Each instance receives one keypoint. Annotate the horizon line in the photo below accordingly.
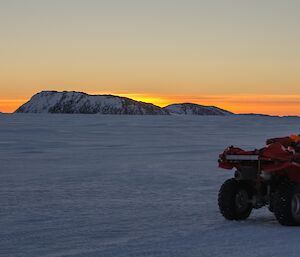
(240, 103)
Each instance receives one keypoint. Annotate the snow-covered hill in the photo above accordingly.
(195, 109)
(77, 102)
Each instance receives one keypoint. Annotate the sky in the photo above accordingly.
(240, 55)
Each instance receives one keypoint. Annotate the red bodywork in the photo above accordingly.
(278, 156)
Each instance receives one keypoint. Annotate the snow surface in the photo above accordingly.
(142, 186)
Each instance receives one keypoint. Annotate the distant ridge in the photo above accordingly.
(195, 109)
(257, 114)
(79, 102)
(268, 115)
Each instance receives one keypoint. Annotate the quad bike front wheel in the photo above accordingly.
(235, 200)
(287, 204)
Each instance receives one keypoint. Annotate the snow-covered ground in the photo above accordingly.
(92, 185)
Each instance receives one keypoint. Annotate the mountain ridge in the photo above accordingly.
(195, 109)
(51, 101)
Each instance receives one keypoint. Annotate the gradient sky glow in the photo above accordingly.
(240, 55)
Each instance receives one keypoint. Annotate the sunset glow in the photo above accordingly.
(262, 104)
(10, 105)
(243, 56)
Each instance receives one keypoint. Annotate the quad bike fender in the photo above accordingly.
(223, 162)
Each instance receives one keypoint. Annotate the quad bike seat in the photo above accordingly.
(291, 141)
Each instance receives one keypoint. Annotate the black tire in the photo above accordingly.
(287, 204)
(271, 204)
(231, 205)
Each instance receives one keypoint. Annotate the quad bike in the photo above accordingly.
(266, 177)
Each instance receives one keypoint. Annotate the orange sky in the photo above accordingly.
(243, 56)
(265, 104)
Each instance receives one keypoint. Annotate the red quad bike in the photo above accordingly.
(266, 177)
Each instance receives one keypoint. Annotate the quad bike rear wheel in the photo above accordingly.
(235, 199)
(287, 204)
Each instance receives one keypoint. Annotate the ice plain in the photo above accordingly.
(142, 186)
